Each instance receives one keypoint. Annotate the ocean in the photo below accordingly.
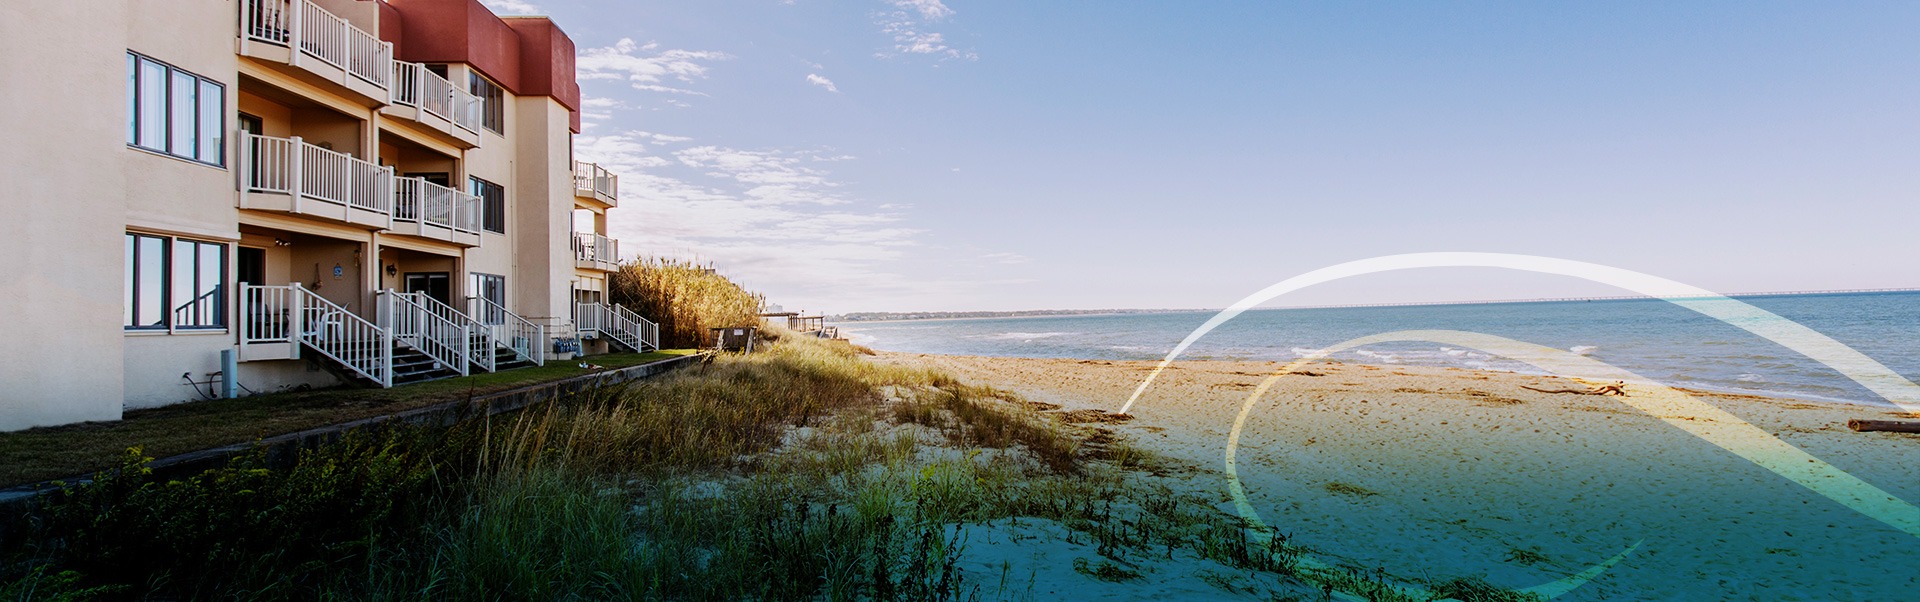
(1653, 338)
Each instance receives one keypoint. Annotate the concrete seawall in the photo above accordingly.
(281, 448)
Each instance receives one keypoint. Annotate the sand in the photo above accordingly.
(1442, 472)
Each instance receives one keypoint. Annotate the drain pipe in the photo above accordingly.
(229, 368)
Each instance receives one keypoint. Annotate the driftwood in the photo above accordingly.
(1889, 426)
(1613, 389)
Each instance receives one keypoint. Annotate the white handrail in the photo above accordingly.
(316, 32)
(415, 324)
(614, 322)
(587, 318)
(466, 109)
(590, 176)
(480, 337)
(291, 166)
(266, 314)
(527, 339)
(267, 163)
(644, 330)
(266, 20)
(420, 201)
(416, 86)
(588, 246)
(294, 315)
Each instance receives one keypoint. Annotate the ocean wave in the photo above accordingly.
(1384, 357)
(1751, 378)
(1583, 349)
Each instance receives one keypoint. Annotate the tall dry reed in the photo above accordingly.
(684, 298)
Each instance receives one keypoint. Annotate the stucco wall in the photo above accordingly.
(544, 184)
(60, 284)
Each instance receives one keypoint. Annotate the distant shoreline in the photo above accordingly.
(914, 316)
(873, 317)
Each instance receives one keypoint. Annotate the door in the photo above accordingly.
(250, 266)
(251, 125)
(435, 284)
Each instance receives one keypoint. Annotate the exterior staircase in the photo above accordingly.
(617, 325)
(416, 339)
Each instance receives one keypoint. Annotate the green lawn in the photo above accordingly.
(40, 454)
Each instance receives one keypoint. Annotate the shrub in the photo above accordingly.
(684, 298)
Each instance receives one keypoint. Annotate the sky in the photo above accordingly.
(925, 155)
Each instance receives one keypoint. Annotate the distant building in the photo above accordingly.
(330, 190)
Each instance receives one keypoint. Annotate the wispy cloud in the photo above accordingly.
(775, 218)
(932, 10)
(816, 79)
(648, 68)
(511, 7)
(907, 21)
(1006, 258)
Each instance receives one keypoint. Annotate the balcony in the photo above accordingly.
(424, 97)
(429, 210)
(288, 175)
(316, 45)
(595, 183)
(595, 252)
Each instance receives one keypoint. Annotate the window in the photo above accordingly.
(493, 204)
(493, 109)
(175, 112)
(492, 288)
(174, 283)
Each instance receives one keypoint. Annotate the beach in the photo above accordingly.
(1439, 471)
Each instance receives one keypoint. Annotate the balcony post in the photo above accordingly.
(386, 54)
(245, 159)
(466, 348)
(297, 322)
(346, 45)
(296, 181)
(245, 316)
(391, 192)
(293, 30)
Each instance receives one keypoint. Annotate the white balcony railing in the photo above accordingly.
(315, 32)
(411, 320)
(527, 339)
(643, 330)
(616, 323)
(593, 179)
(595, 248)
(419, 201)
(291, 166)
(293, 315)
(416, 86)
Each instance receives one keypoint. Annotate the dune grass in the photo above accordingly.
(801, 473)
(684, 298)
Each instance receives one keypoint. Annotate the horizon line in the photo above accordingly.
(1039, 313)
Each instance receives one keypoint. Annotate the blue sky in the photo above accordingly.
(952, 155)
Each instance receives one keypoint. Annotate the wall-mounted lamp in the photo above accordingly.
(391, 269)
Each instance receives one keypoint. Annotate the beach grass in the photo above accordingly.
(684, 298)
(803, 472)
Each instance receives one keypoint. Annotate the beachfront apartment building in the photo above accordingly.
(257, 195)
